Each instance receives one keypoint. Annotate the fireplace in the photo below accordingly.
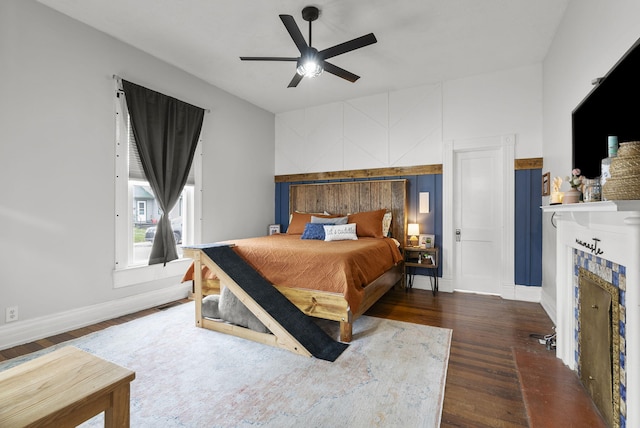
(600, 357)
(600, 241)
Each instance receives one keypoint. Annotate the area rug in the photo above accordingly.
(393, 374)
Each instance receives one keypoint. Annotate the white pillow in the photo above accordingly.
(386, 223)
(340, 232)
(331, 220)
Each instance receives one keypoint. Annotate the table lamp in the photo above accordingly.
(413, 230)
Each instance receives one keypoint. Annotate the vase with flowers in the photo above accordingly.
(573, 195)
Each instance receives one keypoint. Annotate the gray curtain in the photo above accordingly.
(166, 131)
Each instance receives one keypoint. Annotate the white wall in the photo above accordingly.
(505, 102)
(592, 37)
(57, 162)
(407, 127)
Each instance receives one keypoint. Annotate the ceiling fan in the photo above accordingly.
(311, 62)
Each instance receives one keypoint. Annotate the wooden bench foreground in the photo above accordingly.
(63, 389)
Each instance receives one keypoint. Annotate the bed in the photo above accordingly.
(354, 274)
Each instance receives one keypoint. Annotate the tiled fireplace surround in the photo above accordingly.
(603, 238)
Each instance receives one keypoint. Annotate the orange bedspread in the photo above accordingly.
(338, 266)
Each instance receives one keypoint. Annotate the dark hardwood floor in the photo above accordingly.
(483, 385)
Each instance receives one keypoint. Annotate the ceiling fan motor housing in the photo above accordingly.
(310, 13)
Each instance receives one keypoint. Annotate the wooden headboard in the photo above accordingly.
(352, 197)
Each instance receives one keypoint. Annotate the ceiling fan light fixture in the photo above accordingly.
(310, 68)
(309, 64)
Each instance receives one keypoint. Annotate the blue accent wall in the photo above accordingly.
(528, 227)
(528, 216)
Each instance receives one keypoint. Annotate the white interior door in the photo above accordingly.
(478, 220)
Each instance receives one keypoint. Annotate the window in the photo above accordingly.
(137, 212)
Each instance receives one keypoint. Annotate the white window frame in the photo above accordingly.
(125, 275)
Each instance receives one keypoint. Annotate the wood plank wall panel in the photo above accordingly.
(519, 164)
(353, 196)
(360, 174)
(530, 163)
(399, 203)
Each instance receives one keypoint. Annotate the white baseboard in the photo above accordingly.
(522, 293)
(423, 282)
(21, 332)
(511, 292)
(549, 305)
(445, 284)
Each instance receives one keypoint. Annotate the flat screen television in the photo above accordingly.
(611, 108)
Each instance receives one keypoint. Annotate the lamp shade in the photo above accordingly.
(413, 229)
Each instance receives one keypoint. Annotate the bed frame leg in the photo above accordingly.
(346, 331)
(197, 277)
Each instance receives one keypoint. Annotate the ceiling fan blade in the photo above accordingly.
(358, 43)
(340, 72)
(266, 58)
(295, 33)
(294, 82)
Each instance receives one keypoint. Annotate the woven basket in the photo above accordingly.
(624, 183)
(622, 188)
(629, 148)
(625, 166)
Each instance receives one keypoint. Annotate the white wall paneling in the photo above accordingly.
(400, 128)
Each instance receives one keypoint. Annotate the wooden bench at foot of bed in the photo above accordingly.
(315, 303)
(63, 389)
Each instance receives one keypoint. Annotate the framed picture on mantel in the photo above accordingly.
(546, 184)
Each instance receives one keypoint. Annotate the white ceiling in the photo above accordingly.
(419, 41)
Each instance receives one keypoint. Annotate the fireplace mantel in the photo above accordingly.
(604, 206)
(610, 231)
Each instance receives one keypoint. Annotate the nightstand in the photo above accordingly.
(425, 258)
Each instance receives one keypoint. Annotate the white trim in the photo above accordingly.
(196, 220)
(446, 253)
(522, 293)
(508, 209)
(21, 332)
(423, 282)
(592, 207)
(141, 274)
(445, 285)
(121, 184)
(548, 303)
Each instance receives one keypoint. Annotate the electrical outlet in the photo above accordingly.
(11, 314)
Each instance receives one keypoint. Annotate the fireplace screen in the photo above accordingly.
(599, 343)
